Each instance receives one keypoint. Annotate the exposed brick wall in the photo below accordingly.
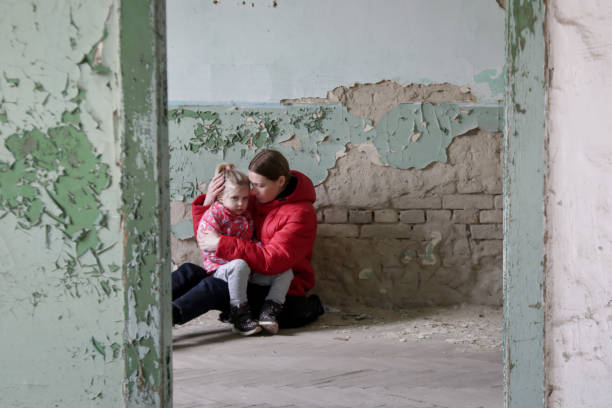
(378, 242)
(433, 236)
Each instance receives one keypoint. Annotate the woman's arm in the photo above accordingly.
(290, 244)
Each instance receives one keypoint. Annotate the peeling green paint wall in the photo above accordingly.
(146, 212)
(524, 218)
(311, 136)
(61, 248)
(74, 304)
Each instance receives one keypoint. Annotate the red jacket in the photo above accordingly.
(287, 229)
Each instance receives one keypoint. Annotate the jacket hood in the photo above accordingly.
(304, 191)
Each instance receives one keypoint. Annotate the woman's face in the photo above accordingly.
(264, 189)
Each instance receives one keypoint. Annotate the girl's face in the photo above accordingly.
(235, 198)
(264, 189)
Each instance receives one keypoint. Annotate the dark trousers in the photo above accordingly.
(194, 292)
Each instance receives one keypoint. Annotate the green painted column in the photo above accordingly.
(85, 319)
(145, 212)
(524, 218)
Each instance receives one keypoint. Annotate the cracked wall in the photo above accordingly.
(67, 327)
(407, 162)
(422, 186)
(404, 238)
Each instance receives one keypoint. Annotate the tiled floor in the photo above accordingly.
(340, 361)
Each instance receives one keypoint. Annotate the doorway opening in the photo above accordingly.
(409, 194)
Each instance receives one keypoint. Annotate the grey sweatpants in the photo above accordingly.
(237, 272)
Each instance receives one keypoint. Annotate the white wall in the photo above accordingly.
(579, 205)
(230, 52)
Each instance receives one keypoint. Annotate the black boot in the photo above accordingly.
(268, 319)
(243, 322)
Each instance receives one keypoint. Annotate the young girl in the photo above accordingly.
(229, 216)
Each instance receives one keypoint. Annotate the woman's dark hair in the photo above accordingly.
(270, 164)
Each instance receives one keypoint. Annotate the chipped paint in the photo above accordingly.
(524, 172)
(294, 143)
(388, 95)
(72, 179)
(145, 212)
(59, 196)
(323, 131)
(183, 229)
(494, 79)
(257, 129)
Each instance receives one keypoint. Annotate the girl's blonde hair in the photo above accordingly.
(232, 175)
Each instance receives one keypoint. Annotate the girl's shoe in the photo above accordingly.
(243, 323)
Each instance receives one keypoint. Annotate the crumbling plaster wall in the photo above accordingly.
(420, 225)
(408, 175)
(578, 205)
(412, 237)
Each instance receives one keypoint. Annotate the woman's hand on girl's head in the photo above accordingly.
(215, 187)
(208, 241)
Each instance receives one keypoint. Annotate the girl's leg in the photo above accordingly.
(236, 274)
(279, 285)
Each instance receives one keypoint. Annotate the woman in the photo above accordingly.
(281, 204)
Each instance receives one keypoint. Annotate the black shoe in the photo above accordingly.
(268, 318)
(243, 323)
(225, 316)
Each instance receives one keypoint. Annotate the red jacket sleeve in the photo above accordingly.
(291, 243)
(197, 211)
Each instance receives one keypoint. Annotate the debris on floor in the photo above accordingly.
(471, 327)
